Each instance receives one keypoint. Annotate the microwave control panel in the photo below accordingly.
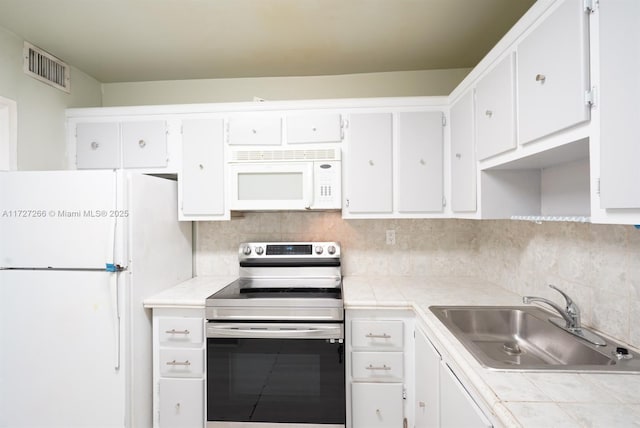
(326, 185)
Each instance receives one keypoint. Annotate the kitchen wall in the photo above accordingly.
(41, 120)
(598, 265)
(391, 84)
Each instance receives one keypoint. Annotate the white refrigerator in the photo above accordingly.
(79, 251)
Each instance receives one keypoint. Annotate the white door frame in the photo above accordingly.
(8, 134)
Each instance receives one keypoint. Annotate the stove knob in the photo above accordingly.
(259, 251)
(331, 249)
(319, 249)
(246, 250)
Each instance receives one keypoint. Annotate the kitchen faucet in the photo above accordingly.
(571, 315)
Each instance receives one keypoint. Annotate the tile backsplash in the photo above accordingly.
(597, 265)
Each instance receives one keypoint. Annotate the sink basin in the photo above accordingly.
(522, 338)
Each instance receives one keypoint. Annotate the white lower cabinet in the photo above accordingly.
(441, 399)
(181, 404)
(379, 365)
(457, 408)
(377, 405)
(178, 368)
(427, 383)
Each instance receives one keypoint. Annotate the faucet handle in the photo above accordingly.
(572, 308)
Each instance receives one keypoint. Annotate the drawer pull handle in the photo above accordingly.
(541, 78)
(384, 367)
(378, 336)
(179, 363)
(174, 331)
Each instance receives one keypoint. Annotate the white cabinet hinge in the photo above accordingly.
(344, 124)
(590, 6)
(347, 203)
(590, 97)
(598, 186)
(404, 394)
(444, 201)
(444, 120)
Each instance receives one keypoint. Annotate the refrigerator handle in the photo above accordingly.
(115, 296)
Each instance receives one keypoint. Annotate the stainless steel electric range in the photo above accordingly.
(275, 339)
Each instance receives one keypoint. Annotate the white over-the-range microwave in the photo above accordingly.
(285, 179)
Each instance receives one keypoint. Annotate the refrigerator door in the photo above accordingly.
(58, 219)
(58, 335)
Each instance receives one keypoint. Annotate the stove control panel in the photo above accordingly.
(289, 249)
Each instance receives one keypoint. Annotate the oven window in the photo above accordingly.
(275, 380)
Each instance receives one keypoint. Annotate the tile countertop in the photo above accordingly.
(516, 399)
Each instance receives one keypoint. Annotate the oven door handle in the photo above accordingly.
(280, 331)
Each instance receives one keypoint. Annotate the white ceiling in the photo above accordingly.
(144, 40)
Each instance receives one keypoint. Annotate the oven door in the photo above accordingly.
(275, 373)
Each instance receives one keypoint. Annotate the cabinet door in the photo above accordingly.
(420, 163)
(255, 130)
(144, 144)
(495, 111)
(427, 383)
(619, 107)
(314, 128)
(457, 408)
(553, 73)
(376, 405)
(463, 162)
(181, 403)
(368, 165)
(97, 145)
(202, 178)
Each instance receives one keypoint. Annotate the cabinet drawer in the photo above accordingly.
(316, 128)
(181, 403)
(182, 362)
(181, 331)
(377, 334)
(378, 366)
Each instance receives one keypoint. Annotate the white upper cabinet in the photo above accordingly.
(98, 145)
(420, 160)
(202, 180)
(368, 165)
(314, 128)
(463, 161)
(140, 144)
(495, 110)
(144, 144)
(255, 130)
(619, 106)
(553, 73)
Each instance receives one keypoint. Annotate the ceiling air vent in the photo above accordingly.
(46, 67)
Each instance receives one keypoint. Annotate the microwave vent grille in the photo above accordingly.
(284, 155)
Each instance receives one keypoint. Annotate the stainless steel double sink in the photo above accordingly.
(522, 338)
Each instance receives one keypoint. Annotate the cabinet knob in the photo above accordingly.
(422, 162)
(94, 145)
(314, 129)
(488, 113)
(254, 131)
(422, 404)
(371, 162)
(142, 144)
(200, 166)
(541, 78)
(458, 156)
